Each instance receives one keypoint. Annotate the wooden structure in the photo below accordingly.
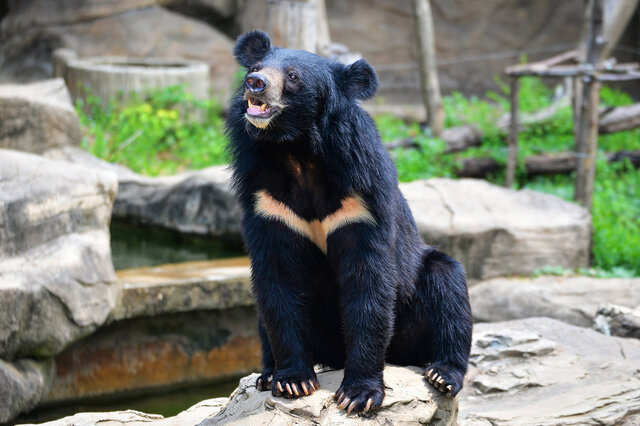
(587, 72)
(427, 63)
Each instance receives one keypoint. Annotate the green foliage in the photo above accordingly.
(158, 132)
(616, 203)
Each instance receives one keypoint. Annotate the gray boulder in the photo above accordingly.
(23, 384)
(37, 117)
(615, 320)
(196, 202)
(574, 300)
(496, 231)
(57, 281)
(541, 371)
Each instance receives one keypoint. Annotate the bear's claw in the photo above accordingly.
(294, 386)
(444, 378)
(264, 381)
(360, 396)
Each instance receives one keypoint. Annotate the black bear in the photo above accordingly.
(339, 272)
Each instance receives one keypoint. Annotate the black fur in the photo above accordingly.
(379, 294)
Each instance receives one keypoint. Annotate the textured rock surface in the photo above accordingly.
(615, 320)
(23, 384)
(56, 275)
(496, 231)
(198, 202)
(409, 399)
(541, 371)
(37, 117)
(34, 28)
(574, 300)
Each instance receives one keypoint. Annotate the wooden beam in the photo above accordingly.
(587, 128)
(427, 62)
(544, 164)
(620, 119)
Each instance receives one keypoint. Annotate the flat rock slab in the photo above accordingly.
(574, 300)
(196, 202)
(495, 231)
(37, 117)
(57, 281)
(541, 371)
(184, 287)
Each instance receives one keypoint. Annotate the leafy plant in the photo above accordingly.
(157, 132)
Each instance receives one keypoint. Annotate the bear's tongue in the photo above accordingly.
(254, 109)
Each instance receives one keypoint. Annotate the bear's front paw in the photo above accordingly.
(445, 378)
(263, 383)
(294, 385)
(360, 395)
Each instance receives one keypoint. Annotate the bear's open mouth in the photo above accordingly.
(258, 108)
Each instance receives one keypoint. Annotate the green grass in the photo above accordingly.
(161, 132)
(167, 131)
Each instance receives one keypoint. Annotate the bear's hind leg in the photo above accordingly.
(442, 288)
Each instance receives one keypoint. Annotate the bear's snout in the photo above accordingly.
(256, 82)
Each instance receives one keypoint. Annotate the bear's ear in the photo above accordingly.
(251, 47)
(359, 79)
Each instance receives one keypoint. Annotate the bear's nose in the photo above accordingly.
(256, 82)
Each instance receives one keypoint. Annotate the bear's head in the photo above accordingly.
(286, 91)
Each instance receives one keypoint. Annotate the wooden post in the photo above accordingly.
(293, 24)
(512, 159)
(587, 128)
(617, 15)
(427, 62)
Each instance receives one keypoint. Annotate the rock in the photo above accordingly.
(614, 320)
(192, 416)
(496, 231)
(573, 300)
(184, 287)
(23, 384)
(33, 29)
(409, 399)
(37, 117)
(541, 371)
(196, 202)
(57, 281)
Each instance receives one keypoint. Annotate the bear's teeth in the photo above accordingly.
(263, 106)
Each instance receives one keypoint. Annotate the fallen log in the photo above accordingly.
(457, 139)
(620, 119)
(545, 164)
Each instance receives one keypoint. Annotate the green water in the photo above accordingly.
(138, 246)
(167, 403)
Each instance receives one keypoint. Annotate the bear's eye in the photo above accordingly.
(293, 76)
(255, 68)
